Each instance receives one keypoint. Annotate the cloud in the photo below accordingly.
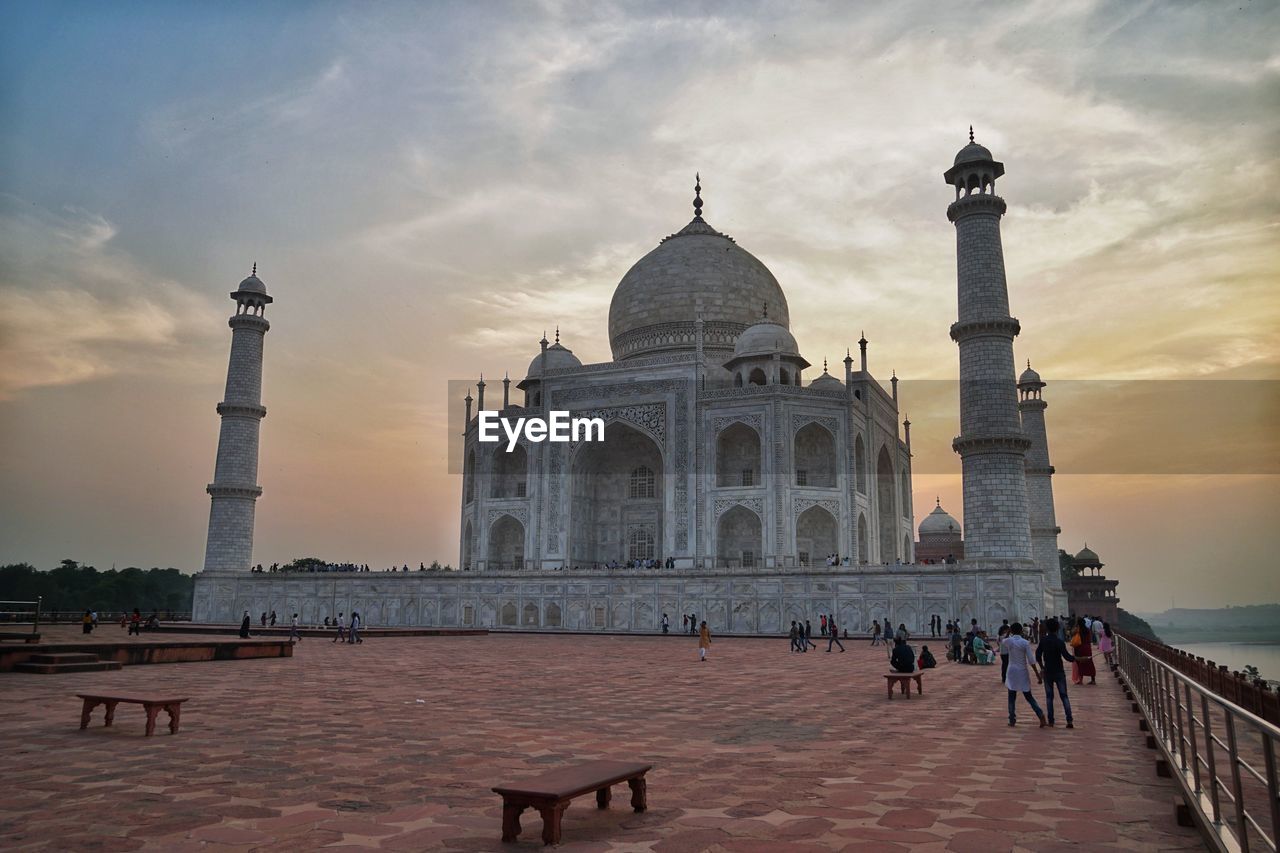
(72, 309)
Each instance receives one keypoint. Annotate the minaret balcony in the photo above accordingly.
(996, 327)
(239, 410)
(249, 321)
(1002, 443)
(977, 203)
(223, 491)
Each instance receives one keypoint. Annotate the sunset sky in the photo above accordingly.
(427, 187)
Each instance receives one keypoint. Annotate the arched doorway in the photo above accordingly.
(469, 477)
(738, 456)
(739, 539)
(816, 536)
(506, 544)
(815, 457)
(906, 548)
(509, 472)
(886, 508)
(860, 464)
(466, 546)
(863, 556)
(617, 488)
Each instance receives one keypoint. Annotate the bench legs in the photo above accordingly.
(639, 794)
(603, 796)
(87, 711)
(511, 821)
(175, 714)
(551, 815)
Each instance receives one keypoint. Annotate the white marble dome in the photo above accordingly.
(558, 358)
(253, 284)
(939, 522)
(973, 153)
(697, 272)
(827, 382)
(764, 338)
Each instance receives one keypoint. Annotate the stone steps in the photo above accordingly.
(52, 664)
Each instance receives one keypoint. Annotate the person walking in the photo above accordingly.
(875, 632)
(135, 622)
(957, 644)
(1018, 676)
(1082, 646)
(87, 622)
(833, 635)
(666, 623)
(693, 623)
(1004, 655)
(822, 624)
(704, 641)
(1050, 653)
(354, 635)
(1107, 645)
(244, 626)
(273, 618)
(795, 636)
(342, 628)
(684, 622)
(293, 629)
(808, 636)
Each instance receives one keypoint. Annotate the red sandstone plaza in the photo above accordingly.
(395, 744)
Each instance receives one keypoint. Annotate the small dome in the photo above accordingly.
(1029, 377)
(765, 338)
(559, 357)
(253, 284)
(827, 382)
(1087, 556)
(939, 522)
(973, 153)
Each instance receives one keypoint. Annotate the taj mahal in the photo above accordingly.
(732, 482)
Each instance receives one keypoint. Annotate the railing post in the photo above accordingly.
(1233, 751)
(1209, 759)
(1191, 739)
(1273, 786)
(1182, 742)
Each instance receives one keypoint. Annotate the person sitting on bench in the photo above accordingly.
(903, 658)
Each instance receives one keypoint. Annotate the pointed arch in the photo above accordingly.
(738, 459)
(616, 486)
(817, 536)
(468, 539)
(860, 464)
(506, 543)
(469, 477)
(815, 456)
(863, 555)
(739, 539)
(510, 472)
(886, 506)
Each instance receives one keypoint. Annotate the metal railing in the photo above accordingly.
(9, 615)
(1222, 756)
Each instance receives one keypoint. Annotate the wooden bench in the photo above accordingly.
(25, 636)
(153, 705)
(551, 792)
(904, 680)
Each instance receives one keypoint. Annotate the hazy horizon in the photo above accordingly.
(427, 188)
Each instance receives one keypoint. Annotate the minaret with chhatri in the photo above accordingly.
(235, 490)
(991, 444)
(1044, 523)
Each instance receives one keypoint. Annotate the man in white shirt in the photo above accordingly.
(1022, 663)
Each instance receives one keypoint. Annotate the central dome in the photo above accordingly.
(697, 272)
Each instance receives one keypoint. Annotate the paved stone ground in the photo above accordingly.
(395, 744)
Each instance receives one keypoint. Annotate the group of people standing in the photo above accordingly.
(1058, 645)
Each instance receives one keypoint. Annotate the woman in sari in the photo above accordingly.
(1082, 648)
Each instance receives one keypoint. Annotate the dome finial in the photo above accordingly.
(255, 268)
(970, 134)
(824, 365)
(557, 333)
(697, 195)
(1028, 364)
(938, 501)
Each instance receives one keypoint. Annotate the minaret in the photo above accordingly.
(991, 443)
(234, 490)
(1044, 524)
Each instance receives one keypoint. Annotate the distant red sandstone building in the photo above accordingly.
(941, 537)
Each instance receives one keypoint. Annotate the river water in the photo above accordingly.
(1265, 656)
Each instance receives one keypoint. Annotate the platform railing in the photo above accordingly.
(9, 615)
(1222, 756)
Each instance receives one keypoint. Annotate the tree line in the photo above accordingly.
(73, 587)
